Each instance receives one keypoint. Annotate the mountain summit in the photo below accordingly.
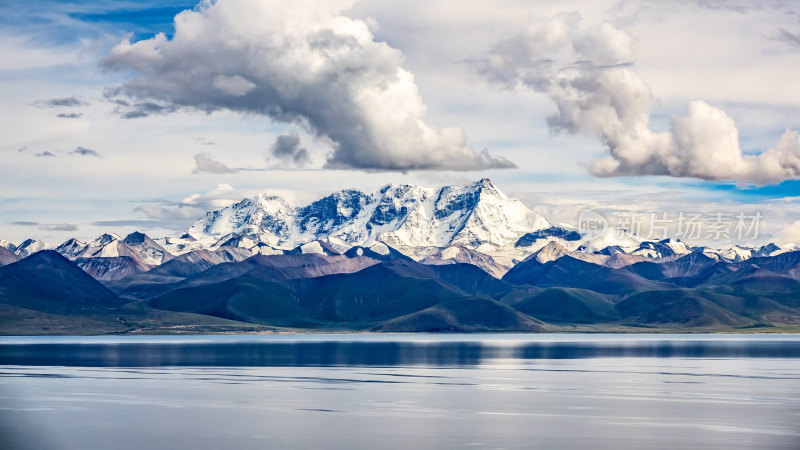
(402, 216)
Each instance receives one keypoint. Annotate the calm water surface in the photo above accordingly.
(401, 391)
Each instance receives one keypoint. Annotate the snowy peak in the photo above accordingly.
(72, 248)
(662, 249)
(105, 239)
(377, 251)
(137, 246)
(7, 245)
(740, 253)
(560, 233)
(402, 216)
(554, 251)
(263, 216)
(496, 219)
(314, 247)
(612, 237)
(30, 246)
(330, 213)
(473, 216)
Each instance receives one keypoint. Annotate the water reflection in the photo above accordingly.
(267, 352)
(364, 392)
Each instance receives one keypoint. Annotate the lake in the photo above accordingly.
(401, 391)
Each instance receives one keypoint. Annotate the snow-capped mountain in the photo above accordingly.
(425, 224)
(314, 247)
(612, 237)
(739, 253)
(72, 248)
(103, 246)
(475, 224)
(534, 238)
(137, 246)
(554, 251)
(110, 257)
(7, 245)
(30, 246)
(476, 216)
(662, 249)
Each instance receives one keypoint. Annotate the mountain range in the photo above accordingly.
(405, 258)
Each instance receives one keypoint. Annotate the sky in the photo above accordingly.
(120, 115)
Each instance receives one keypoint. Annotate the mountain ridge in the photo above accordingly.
(402, 216)
(475, 223)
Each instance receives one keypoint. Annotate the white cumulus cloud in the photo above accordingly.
(587, 72)
(193, 206)
(298, 62)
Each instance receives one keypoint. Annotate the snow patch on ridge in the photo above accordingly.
(312, 247)
(450, 252)
(379, 248)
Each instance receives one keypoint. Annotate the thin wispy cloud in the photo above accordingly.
(788, 36)
(58, 227)
(83, 151)
(66, 102)
(203, 141)
(205, 162)
(46, 226)
(126, 223)
(77, 151)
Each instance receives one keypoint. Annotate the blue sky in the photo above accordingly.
(788, 188)
(59, 92)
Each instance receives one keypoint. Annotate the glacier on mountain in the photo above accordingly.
(405, 217)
